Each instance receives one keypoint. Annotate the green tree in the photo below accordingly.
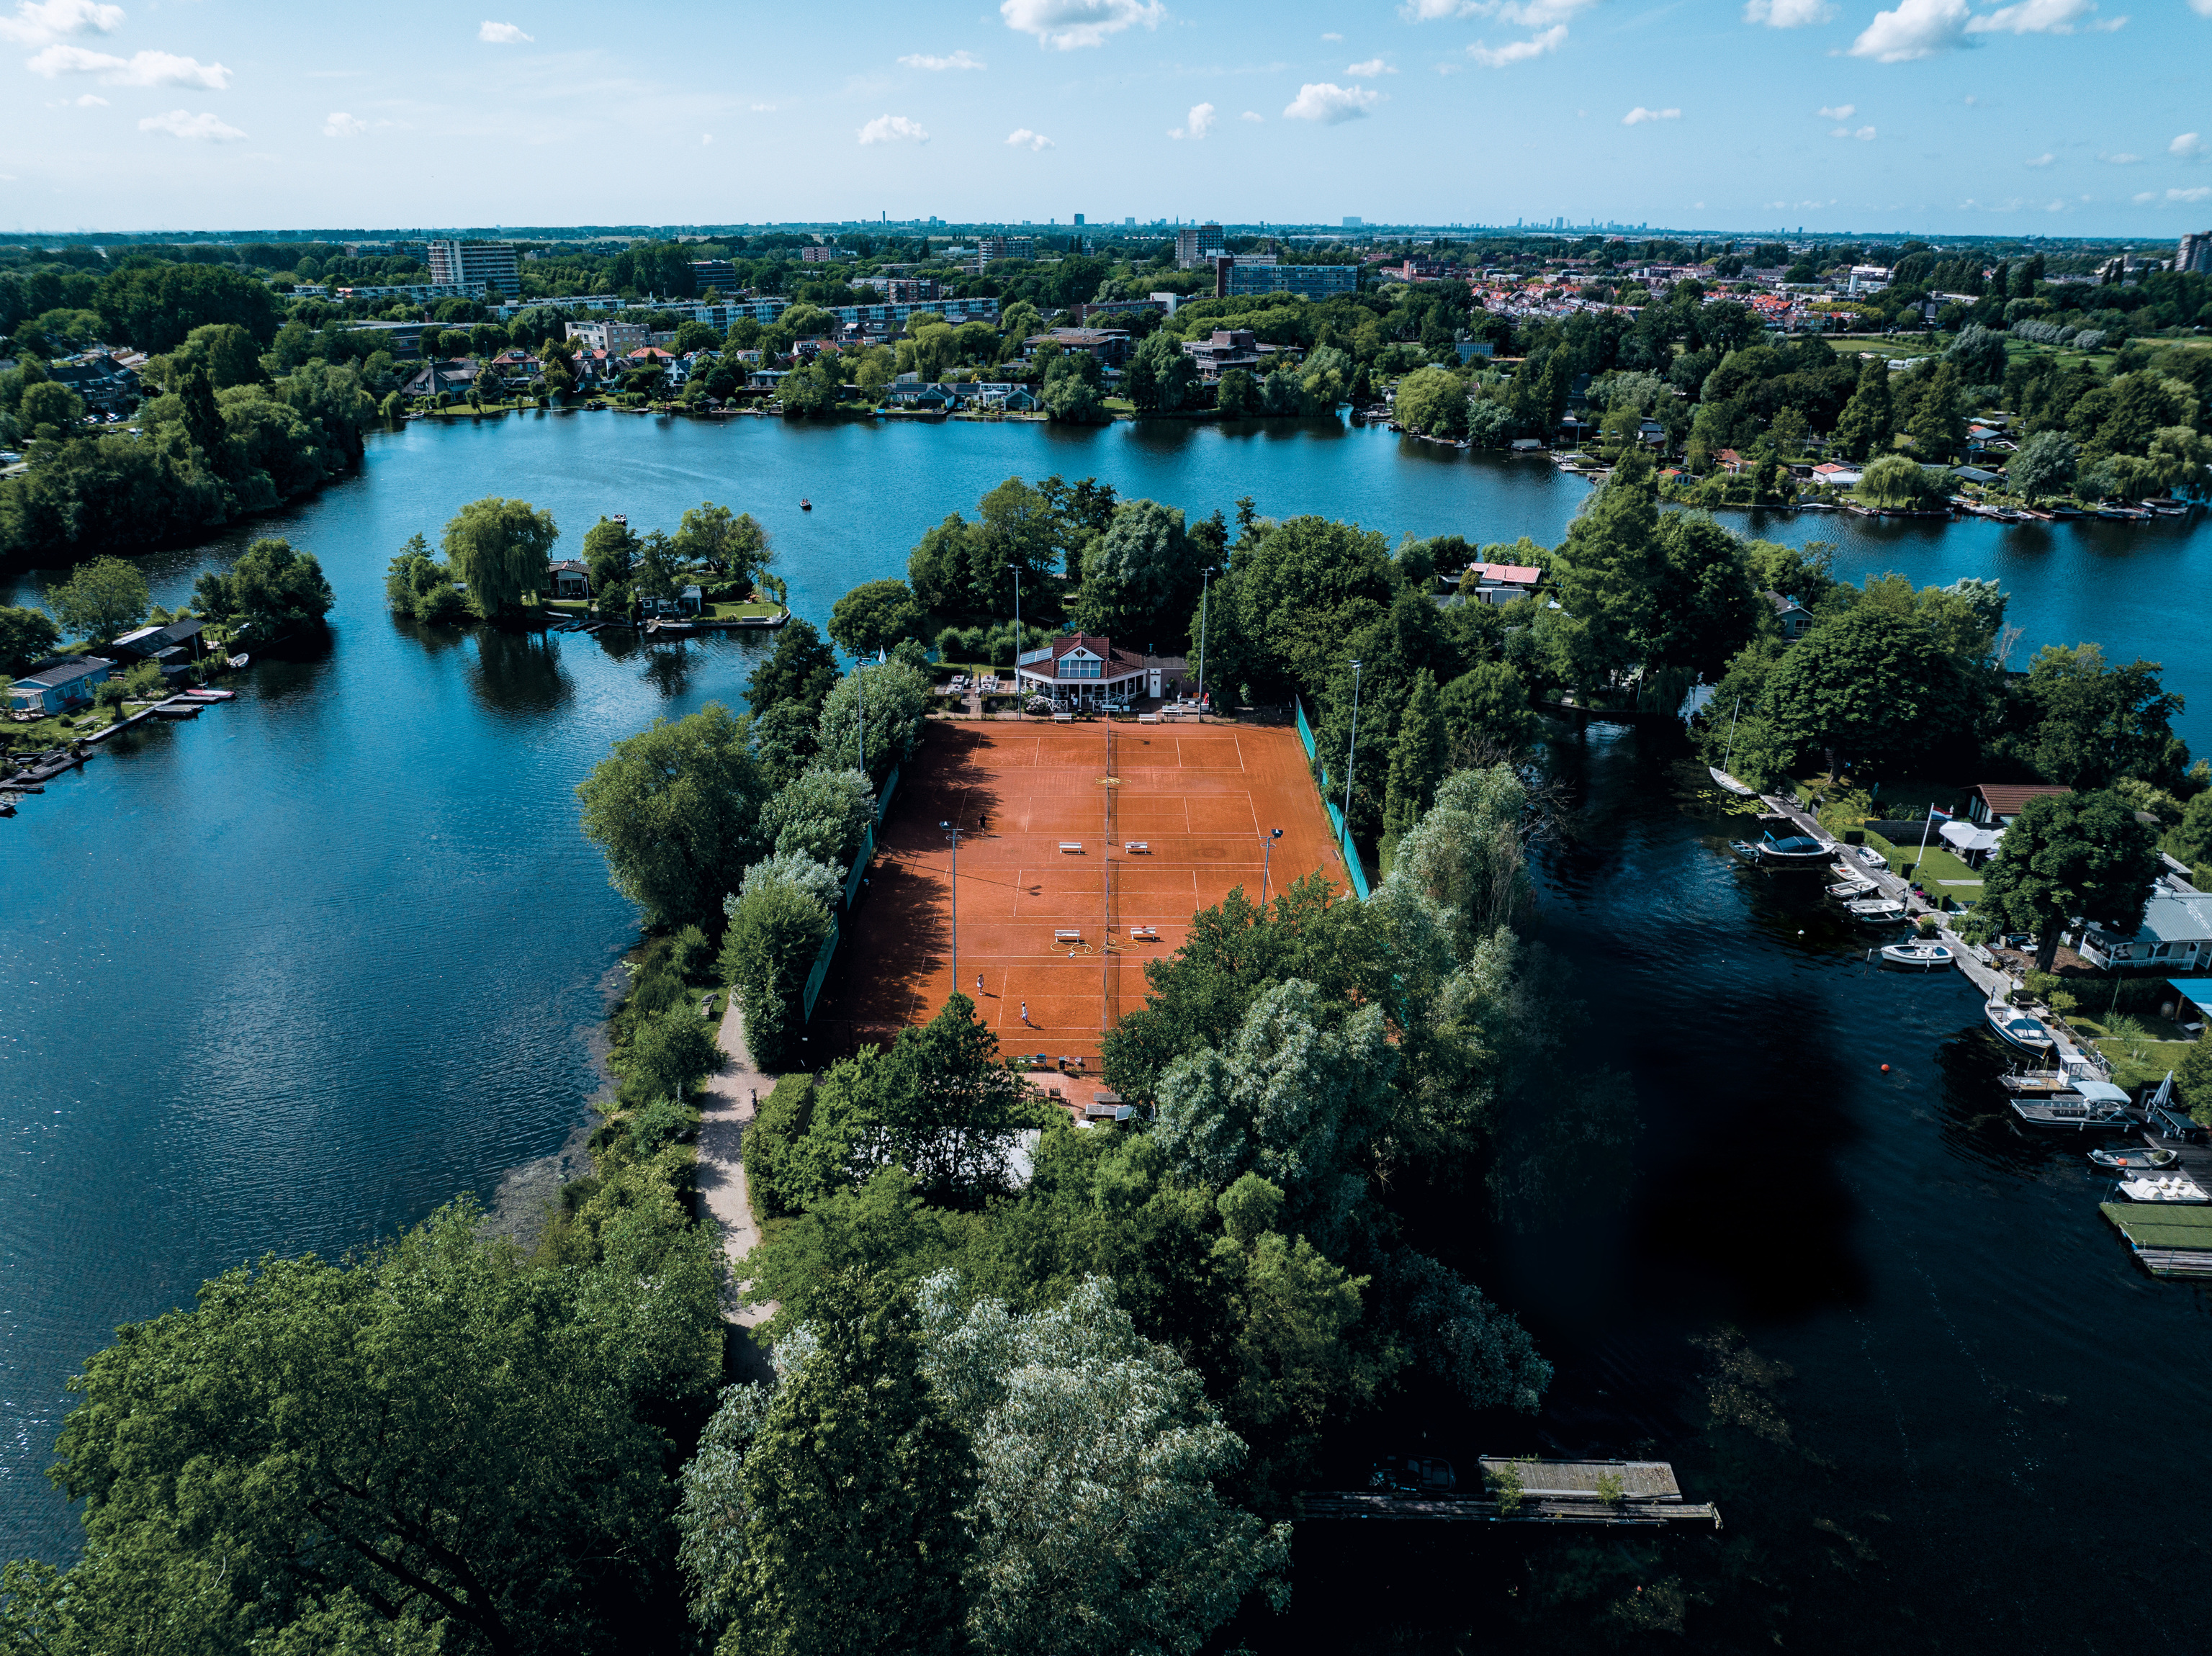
(854, 1487)
(779, 921)
(1417, 756)
(500, 549)
(2192, 1080)
(1603, 575)
(1900, 484)
(1488, 703)
(1871, 683)
(272, 588)
(1865, 425)
(1433, 401)
(49, 408)
(2067, 858)
(1236, 394)
(733, 543)
(824, 814)
(1162, 375)
(468, 1446)
(799, 669)
(895, 697)
(610, 553)
(1140, 579)
(1938, 433)
(100, 599)
(26, 635)
(2042, 466)
(1099, 1529)
(2190, 839)
(873, 616)
(676, 809)
(668, 1055)
(2085, 721)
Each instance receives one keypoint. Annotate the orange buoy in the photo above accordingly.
(1885, 1069)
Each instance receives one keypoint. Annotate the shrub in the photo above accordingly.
(783, 1122)
(659, 1125)
(691, 956)
(1505, 1487)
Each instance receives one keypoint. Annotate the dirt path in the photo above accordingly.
(727, 1110)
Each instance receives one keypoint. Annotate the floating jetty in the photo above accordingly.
(2170, 1240)
(1644, 1496)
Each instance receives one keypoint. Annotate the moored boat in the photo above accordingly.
(2163, 1187)
(1852, 885)
(2089, 1106)
(1920, 954)
(2017, 1028)
(1878, 911)
(238, 661)
(1796, 851)
(2133, 1156)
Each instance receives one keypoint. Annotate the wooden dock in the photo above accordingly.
(1552, 1492)
(2170, 1240)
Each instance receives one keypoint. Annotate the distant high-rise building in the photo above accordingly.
(2195, 252)
(1313, 282)
(1353, 222)
(989, 248)
(1078, 218)
(1130, 222)
(463, 263)
(1197, 243)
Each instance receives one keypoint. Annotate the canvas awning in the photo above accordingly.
(2102, 1092)
(1970, 836)
(2197, 990)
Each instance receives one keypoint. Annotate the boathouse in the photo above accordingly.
(59, 685)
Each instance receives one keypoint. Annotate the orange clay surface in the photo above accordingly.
(1200, 797)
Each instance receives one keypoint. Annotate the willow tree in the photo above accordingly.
(500, 549)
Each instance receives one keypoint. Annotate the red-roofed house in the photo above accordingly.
(1994, 804)
(1500, 583)
(1081, 667)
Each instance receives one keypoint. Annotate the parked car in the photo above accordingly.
(1413, 1475)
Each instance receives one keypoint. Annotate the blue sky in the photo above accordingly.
(2049, 117)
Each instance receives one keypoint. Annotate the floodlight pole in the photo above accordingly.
(1267, 860)
(1017, 568)
(1351, 753)
(1204, 592)
(954, 828)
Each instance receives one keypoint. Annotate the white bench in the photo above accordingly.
(1071, 848)
(1063, 719)
(1148, 719)
(1144, 933)
(1137, 848)
(1067, 937)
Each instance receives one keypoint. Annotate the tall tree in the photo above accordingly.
(1869, 683)
(1139, 577)
(873, 616)
(26, 636)
(1603, 575)
(610, 553)
(1418, 757)
(500, 549)
(677, 810)
(799, 669)
(436, 1440)
(2085, 721)
(1864, 428)
(276, 589)
(100, 599)
(854, 1484)
(2071, 856)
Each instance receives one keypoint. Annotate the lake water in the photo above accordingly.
(287, 976)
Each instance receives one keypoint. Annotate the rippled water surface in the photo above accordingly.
(288, 975)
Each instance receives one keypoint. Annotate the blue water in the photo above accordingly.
(286, 976)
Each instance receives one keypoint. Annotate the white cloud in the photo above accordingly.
(1370, 69)
(1840, 113)
(1064, 25)
(182, 123)
(33, 24)
(503, 35)
(1252, 116)
(2202, 8)
(2194, 193)
(2121, 159)
(706, 138)
(141, 68)
(1340, 37)
(958, 60)
(891, 129)
(1022, 136)
(1639, 115)
(2189, 148)
(1196, 125)
(2044, 160)
(1788, 14)
(2036, 17)
(1516, 51)
(763, 109)
(1330, 104)
(338, 124)
(1864, 133)
(1917, 28)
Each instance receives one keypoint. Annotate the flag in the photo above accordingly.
(1945, 815)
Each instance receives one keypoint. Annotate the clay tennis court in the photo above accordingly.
(1068, 883)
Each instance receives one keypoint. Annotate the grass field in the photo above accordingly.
(1198, 801)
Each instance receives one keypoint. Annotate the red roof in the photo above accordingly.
(1509, 575)
(2007, 798)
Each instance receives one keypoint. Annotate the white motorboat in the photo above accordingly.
(1852, 886)
(1878, 911)
(1792, 850)
(2163, 1187)
(1921, 955)
(2016, 1027)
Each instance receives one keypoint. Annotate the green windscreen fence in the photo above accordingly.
(1353, 865)
(853, 876)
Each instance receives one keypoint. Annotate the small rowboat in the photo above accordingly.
(806, 506)
(1878, 911)
(238, 661)
(2133, 1156)
(1921, 955)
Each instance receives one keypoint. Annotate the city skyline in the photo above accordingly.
(2058, 118)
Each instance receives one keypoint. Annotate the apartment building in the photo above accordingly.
(458, 263)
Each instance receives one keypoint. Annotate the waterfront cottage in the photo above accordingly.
(1994, 804)
(2176, 933)
(1790, 616)
(571, 580)
(57, 685)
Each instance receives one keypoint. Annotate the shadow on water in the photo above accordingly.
(518, 672)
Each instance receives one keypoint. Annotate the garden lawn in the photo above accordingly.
(732, 611)
(1938, 865)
